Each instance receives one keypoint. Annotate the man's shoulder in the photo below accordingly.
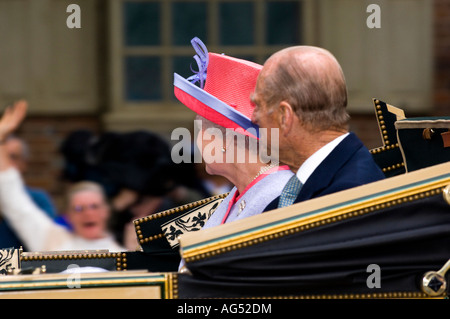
(362, 164)
(349, 165)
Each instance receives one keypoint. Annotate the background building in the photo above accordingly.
(115, 73)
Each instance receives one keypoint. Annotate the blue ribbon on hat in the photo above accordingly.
(202, 59)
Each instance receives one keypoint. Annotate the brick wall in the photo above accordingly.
(44, 135)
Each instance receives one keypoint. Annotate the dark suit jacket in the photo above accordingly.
(349, 165)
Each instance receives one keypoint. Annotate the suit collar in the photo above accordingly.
(324, 173)
(308, 167)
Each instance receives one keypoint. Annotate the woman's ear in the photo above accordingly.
(285, 117)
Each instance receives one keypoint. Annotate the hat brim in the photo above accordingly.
(211, 108)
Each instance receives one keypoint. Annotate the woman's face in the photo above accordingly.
(88, 214)
(210, 141)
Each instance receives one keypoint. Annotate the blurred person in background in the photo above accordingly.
(87, 209)
(19, 154)
(137, 172)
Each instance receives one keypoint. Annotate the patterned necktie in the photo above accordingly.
(290, 192)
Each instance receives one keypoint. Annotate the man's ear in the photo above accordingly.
(285, 117)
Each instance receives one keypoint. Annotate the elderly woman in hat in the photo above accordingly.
(223, 107)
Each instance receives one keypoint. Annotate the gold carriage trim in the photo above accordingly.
(35, 283)
(179, 209)
(392, 167)
(172, 285)
(328, 209)
(399, 113)
(383, 148)
(380, 295)
(120, 257)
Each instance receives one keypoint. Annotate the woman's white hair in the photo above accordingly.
(84, 186)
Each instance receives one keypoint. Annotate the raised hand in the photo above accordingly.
(12, 117)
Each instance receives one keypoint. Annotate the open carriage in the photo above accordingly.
(388, 239)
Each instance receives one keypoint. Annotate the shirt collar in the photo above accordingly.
(308, 167)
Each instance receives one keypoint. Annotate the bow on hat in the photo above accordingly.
(202, 60)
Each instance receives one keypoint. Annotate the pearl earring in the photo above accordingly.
(223, 149)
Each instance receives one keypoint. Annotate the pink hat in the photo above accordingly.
(225, 97)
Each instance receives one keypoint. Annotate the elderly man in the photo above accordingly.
(302, 92)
